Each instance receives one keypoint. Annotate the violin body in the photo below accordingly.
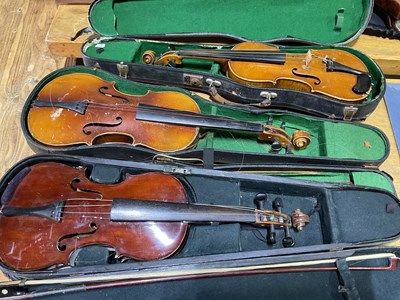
(109, 116)
(329, 72)
(32, 242)
(300, 74)
(79, 108)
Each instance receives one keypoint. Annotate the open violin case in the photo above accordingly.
(102, 114)
(61, 231)
(307, 40)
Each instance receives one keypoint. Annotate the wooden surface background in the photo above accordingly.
(25, 59)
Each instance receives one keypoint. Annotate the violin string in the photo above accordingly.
(211, 53)
(176, 113)
(88, 199)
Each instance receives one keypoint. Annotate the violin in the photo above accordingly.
(85, 109)
(334, 73)
(55, 209)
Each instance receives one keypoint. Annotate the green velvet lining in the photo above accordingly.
(373, 179)
(329, 139)
(321, 21)
(132, 51)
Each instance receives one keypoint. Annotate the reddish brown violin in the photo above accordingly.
(55, 209)
(84, 109)
(334, 73)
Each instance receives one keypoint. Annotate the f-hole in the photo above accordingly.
(103, 90)
(73, 185)
(317, 80)
(88, 132)
(62, 246)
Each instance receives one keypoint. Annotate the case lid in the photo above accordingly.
(331, 22)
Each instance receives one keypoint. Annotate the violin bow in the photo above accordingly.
(135, 276)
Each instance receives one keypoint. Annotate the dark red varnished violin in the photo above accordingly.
(55, 209)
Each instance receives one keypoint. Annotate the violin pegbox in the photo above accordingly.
(297, 220)
(280, 138)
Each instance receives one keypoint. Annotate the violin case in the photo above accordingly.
(343, 251)
(126, 33)
(332, 142)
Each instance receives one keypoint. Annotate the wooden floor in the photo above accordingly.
(25, 59)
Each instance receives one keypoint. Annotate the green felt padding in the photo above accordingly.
(320, 21)
(373, 179)
(329, 139)
(120, 50)
(132, 51)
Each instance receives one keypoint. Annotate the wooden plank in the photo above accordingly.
(68, 20)
(386, 52)
(74, 1)
(25, 59)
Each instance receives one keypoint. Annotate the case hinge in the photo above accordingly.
(176, 170)
(123, 70)
(193, 80)
(268, 96)
(349, 112)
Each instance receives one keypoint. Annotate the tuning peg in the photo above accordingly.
(260, 199)
(289, 149)
(271, 235)
(276, 146)
(288, 241)
(277, 204)
(171, 63)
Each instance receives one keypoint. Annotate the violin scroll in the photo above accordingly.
(149, 57)
(299, 219)
(300, 139)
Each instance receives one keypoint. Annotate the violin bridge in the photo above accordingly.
(307, 61)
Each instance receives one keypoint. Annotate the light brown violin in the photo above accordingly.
(81, 108)
(334, 73)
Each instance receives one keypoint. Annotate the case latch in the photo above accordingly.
(176, 170)
(268, 96)
(349, 112)
(193, 80)
(123, 70)
(213, 84)
(212, 90)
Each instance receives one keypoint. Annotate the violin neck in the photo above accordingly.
(173, 116)
(127, 210)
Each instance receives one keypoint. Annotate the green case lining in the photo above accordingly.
(329, 22)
